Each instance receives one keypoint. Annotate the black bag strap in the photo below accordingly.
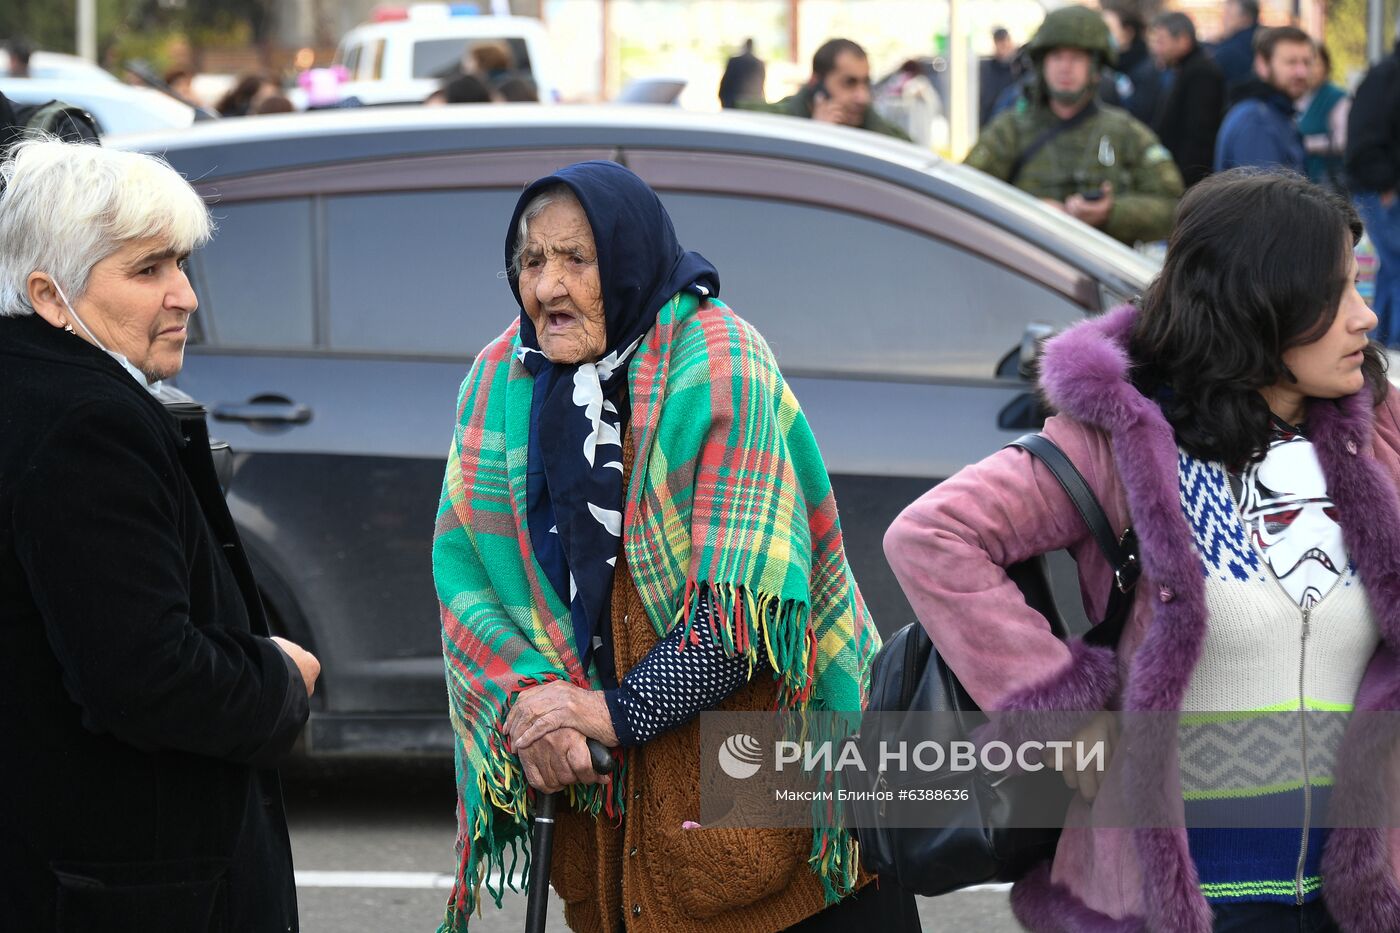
(1045, 137)
(1121, 553)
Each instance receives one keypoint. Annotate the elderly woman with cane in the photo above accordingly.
(636, 526)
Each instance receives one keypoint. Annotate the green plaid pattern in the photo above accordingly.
(728, 494)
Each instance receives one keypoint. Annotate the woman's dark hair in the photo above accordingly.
(467, 89)
(518, 90)
(1257, 264)
(1129, 16)
(239, 99)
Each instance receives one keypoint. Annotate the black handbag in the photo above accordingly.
(985, 838)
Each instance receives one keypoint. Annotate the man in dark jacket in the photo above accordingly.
(995, 74)
(838, 91)
(1262, 128)
(1137, 81)
(1187, 118)
(142, 703)
(1373, 173)
(743, 78)
(1235, 53)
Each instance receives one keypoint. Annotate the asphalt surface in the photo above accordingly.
(373, 850)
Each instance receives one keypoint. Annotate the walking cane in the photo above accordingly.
(542, 842)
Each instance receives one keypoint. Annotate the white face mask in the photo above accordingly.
(140, 377)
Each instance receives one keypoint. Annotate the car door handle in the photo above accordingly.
(264, 409)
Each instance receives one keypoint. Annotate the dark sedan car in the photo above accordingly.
(358, 268)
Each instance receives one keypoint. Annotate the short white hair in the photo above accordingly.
(65, 207)
(556, 192)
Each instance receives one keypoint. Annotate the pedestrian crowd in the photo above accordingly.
(1148, 110)
(636, 525)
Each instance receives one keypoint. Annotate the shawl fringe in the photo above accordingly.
(493, 819)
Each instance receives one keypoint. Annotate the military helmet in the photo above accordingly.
(1073, 27)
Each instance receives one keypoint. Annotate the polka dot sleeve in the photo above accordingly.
(674, 683)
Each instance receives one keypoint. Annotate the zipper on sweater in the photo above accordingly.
(1307, 778)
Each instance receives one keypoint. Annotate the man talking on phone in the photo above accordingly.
(1093, 161)
(837, 92)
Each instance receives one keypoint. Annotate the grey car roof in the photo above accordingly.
(229, 148)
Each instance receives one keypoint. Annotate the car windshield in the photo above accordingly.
(438, 58)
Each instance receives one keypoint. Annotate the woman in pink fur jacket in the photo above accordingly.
(1242, 424)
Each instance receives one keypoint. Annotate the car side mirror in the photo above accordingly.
(1032, 344)
(1023, 360)
(1027, 411)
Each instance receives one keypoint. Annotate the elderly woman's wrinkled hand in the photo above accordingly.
(559, 704)
(557, 760)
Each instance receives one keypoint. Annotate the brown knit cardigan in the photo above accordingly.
(648, 871)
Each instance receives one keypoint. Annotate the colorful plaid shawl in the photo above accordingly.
(728, 494)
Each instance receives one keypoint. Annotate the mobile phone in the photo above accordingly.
(1093, 195)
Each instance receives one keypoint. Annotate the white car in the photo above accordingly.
(404, 54)
(58, 65)
(116, 107)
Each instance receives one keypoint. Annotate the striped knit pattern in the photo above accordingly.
(1248, 786)
(728, 496)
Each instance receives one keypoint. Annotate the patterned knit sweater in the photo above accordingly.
(1289, 635)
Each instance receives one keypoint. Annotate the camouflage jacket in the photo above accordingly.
(800, 105)
(1110, 145)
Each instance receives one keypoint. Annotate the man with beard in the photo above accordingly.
(838, 92)
(1092, 160)
(1261, 128)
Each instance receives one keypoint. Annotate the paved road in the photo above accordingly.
(373, 843)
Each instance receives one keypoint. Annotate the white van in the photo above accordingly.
(403, 55)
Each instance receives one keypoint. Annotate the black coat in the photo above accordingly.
(994, 77)
(9, 124)
(1373, 129)
(1235, 56)
(139, 696)
(742, 80)
(1146, 83)
(1187, 119)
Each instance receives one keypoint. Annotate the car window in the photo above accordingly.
(376, 60)
(438, 58)
(834, 291)
(418, 271)
(255, 276)
(352, 61)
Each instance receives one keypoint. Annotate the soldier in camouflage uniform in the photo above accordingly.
(1101, 165)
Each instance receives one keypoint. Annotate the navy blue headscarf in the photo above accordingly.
(574, 494)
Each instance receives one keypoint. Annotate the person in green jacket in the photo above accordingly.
(837, 92)
(1323, 123)
(1094, 161)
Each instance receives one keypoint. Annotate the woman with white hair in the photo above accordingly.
(141, 699)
